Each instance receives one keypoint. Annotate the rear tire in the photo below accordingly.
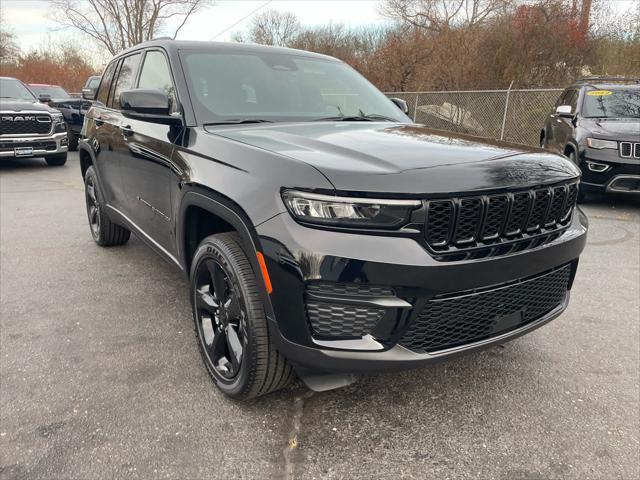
(104, 232)
(73, 140)
(230, 321)
(56, 160)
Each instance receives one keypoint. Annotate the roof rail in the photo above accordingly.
(608, 79)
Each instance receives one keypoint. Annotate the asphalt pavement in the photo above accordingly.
(100, 376)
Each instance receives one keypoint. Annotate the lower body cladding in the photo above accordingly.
(344, 302)
(610, 177)
(36, 146)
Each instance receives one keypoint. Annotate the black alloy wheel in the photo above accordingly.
(104, 232)
(93, 207)
(230, 322)
(221, 319)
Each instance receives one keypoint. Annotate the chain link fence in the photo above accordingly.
(511, 115)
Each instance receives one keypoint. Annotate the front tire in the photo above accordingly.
(56, 160)
(230, 321)
(582, 194)
(104, 232)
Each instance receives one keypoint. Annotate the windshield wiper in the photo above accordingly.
(370, 117)
(238, 121)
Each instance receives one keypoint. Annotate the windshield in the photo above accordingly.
(53, 90)
(612, 103)
(12, 88)
(279, 87)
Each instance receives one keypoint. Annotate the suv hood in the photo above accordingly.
(405, 158)
(623, 129)
(15, 105)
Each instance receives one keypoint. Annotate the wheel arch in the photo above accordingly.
(86, 159)
(571, 146)
(203, 212)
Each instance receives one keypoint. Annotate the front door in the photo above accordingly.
(148, 170)
(564, 125)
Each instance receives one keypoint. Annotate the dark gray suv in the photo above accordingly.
(596, 123)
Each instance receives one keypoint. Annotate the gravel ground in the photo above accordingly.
(100, 375)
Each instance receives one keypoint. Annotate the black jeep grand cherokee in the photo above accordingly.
(320, 229)
(596, 123)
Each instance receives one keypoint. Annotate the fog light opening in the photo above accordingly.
(64, 141)
(598, 167)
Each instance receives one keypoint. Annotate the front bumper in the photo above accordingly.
(298, 256)
(42, 145)
(610, 174)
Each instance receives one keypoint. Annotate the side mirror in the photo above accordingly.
(44, 98)
(148, 105)
(89, 93)
(564, 111)
(401, 104)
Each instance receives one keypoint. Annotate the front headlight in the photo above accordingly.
(57, 118)
(600, 144)
(348, 211)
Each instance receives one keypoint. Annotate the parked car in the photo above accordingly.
(73, 109)
(321, 235)
(29, 128)
(596, 123)
(90, 88)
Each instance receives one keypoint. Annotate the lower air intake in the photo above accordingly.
(455, 320)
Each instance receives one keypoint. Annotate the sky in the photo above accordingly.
(28, 18)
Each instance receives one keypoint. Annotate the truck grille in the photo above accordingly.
(629, 150)
(454, 320)
(25, 124)
(481, 226)
(37, 145)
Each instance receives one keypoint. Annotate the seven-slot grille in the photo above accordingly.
(484, 222)
(459, 319)
(25, 124)
(629, 150)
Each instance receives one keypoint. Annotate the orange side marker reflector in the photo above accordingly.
(265, 273)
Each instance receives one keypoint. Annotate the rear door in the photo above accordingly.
(100, 134)
(113, 123)
(147, 163)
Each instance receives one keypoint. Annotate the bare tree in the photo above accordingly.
(119, 24)
(9, 50)
(274, 28)
(439, 15)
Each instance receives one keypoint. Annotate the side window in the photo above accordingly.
(573, 101)
(156, 75)
(105, 84)
(561, 98)
(564, 98)
(126, 79)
